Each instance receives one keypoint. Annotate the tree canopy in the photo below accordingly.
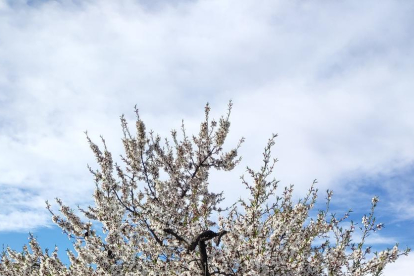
(154, 214)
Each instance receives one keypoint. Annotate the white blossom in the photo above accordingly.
(156, 212)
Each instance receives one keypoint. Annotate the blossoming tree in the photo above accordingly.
(155, 215)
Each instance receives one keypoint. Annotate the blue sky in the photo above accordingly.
(334, 79)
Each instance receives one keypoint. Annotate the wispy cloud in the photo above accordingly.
(335, 80)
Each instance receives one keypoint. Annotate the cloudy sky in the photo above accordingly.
(333, 78)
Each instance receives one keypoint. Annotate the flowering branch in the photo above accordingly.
(152, 212)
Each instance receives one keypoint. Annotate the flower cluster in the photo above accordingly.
(153, 215)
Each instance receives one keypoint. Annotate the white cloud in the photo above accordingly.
(335, 80)
(18, 220)
(403, 267)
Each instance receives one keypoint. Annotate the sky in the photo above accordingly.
(332, 78)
